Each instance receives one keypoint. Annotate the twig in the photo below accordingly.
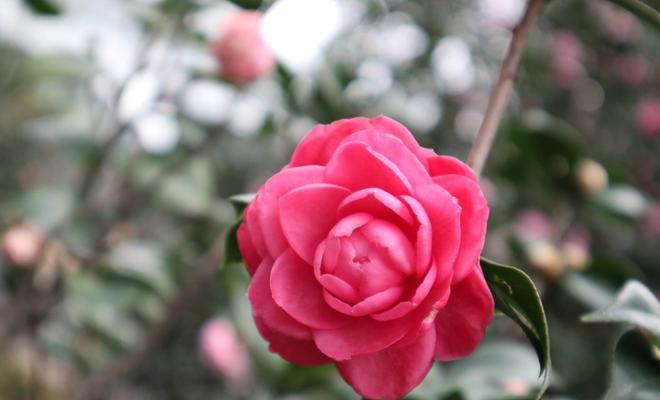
(132, 361)
(643, 11)
(499, 96)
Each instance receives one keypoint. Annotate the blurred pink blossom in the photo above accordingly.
(653, 219)
(224, 352)
(631, 69)
(241, 50)
(21, 244)
(619, 24)
(647, 117)
(567, 58)
(533, 224)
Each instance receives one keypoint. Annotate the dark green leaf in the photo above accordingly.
(232, 253)
(240, 201)
(516, 296)
(44, 7)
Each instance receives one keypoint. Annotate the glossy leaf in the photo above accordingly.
(239, 202)
(43, 7)
(516, 296)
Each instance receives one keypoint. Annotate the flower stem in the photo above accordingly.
(499, 96)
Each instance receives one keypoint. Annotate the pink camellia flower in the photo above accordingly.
(224, 352)
(364, 252)
(21, 244)
(567, 57)
(647, 117)
(240, 48)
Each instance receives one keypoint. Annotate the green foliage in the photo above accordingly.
(43, 7)
(634, 372)
(516, 296)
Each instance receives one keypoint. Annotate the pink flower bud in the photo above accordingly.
(647, 117)
(241, 50)
(21, 244)
(224, 352)
(567, 56)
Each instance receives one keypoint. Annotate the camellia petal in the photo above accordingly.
(362, 336)
(318, 146)
(296, 290)
(446, 165)
(462, 323)
(250, 256)
(356, 166)
(392, 372)
(444, 215)
(267, 202)
(474, 216)
(377, 203)
(396, 151)
(265, 308)
(297, 351)
(307, 214)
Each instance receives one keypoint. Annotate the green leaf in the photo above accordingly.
(232, 253)
(44, 7)
(516, 296)
(642, 10)
(240, 201)
(635, 305)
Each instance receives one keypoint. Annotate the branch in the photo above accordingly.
(499, 96)
(643, 11)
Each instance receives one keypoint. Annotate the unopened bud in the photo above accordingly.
(590, 176)
(575, 257)
(546, 258)
(21, 244)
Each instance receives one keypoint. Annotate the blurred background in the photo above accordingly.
(125, 126)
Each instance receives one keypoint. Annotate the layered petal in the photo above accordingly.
(362, 336)
(264, 307)
(356, 166)
(295, 289)
(394, 150)
(250, 256)
(297, 351)
(392, 372)
(446, 165)
(307, 214)
(462, 323)
(474, 216)
(318, 146)
(444, 215)
(266, 203)
(389, 126)
(377, 203)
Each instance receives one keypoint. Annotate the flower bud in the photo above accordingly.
(21, 244)
(224, 352)
(545, 257)
(575, 249)
(241, 50)
(590, 176)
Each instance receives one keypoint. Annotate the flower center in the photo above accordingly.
(364, 258)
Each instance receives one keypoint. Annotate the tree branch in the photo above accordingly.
(499, 96)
